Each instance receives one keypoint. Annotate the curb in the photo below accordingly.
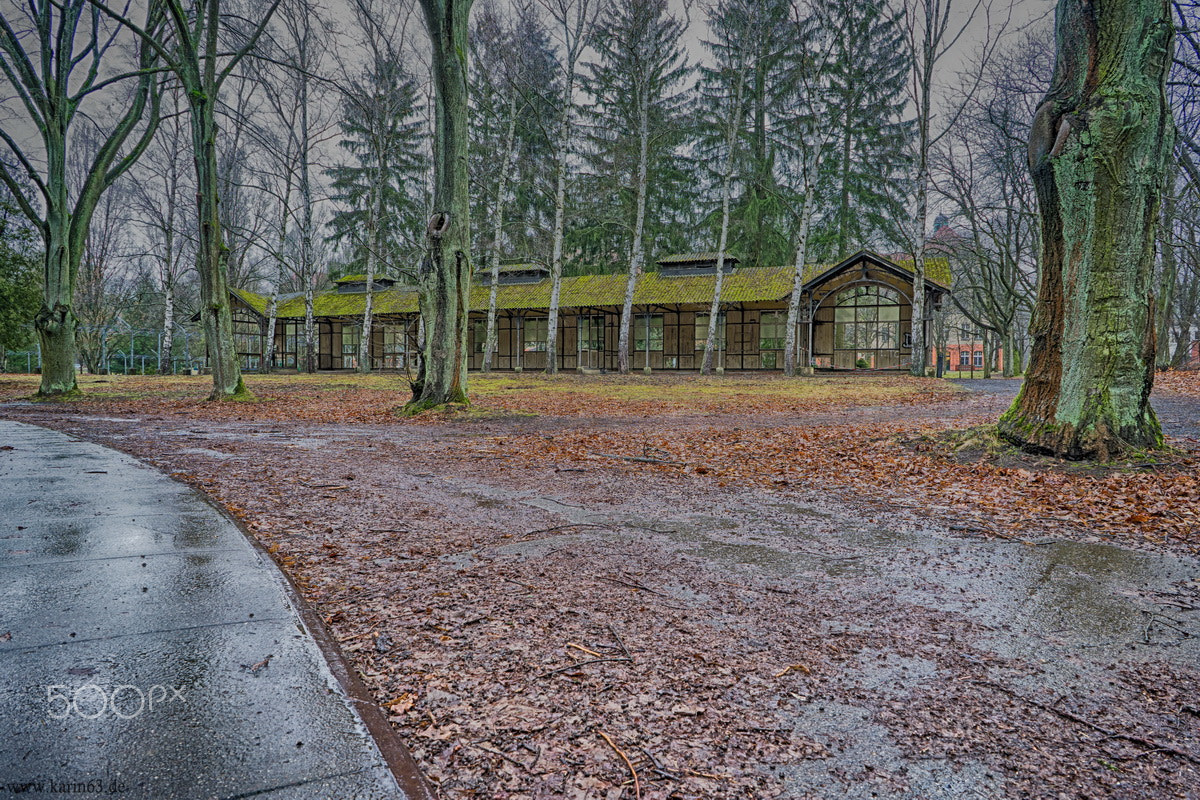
(408, 775)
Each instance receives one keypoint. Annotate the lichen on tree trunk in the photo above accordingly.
(1098, 151)
(445, 277)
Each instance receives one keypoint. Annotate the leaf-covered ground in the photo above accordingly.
(737, 587)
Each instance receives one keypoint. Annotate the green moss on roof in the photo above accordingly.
(742, 285)
(351, 279)
(695, 258)
(257, 302)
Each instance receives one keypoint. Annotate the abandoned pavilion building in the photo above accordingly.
(856, 314)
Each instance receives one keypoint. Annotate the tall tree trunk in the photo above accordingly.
(445, 276)
(168, 330)
(55, 320)
(510, 136)
(373, 217)
(844, 200)
(1098, 151)
(919, 354)
(280, 271)
(793, 316)
(560, 205)
(735, 124)
(637, 254)
(307, 268)
(1168, 275)
(215, 311)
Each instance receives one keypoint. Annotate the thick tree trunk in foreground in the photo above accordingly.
(211, 262)
(1098, 151)
(445, 279)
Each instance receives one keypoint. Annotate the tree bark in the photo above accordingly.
(637, 252)
(168, 332)
(560, 205)
(445, 275)
(1098, 150)
(735, 124)
(1169, 274)
(793, 317)
(373, 217)
(510, 136)
(215, 311)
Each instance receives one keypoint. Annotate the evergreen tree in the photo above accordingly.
(863, 182)
(640, 72)
(761, 33)
(386, 143)
(20, 277)
(637, 130)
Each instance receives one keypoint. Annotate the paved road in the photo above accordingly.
(149, 651)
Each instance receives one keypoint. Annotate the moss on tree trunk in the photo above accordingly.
(1098, 151)
(445, 279)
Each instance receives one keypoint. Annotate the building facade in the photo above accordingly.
(856, 314)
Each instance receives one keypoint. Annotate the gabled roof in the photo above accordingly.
(742, 285)
(937, 270)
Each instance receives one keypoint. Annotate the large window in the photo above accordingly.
(866, 330)
(591, 333)
(534, 331)
(480, 333)
(702, 331)
(351, 338)
(772, 330)
(293, 338)
(248, 342)
(964, 358)
(647, 329)
(393, 347)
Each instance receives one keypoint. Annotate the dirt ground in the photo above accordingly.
(716, 588)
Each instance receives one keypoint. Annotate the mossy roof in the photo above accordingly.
(742, 285)
(695, 258)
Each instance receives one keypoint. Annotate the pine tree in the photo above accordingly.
(636, 124)
(863, 180)
(386, 144)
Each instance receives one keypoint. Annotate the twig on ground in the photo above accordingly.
(637, 786)
(586, 650)
(1067, 715)
(568, 525)
(631, 585)
(478, 746)
(640, 459)
(569, 667)
(620, 642)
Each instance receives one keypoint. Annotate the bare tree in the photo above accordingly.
(932, 30)
(57, 56)
(290, 69)
(574, 23)
(157, 196)
(202, 62)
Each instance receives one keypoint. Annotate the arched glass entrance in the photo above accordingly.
(866, 328)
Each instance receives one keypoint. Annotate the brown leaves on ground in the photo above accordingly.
(375, 399)
(1185, 382)
(1142, 505)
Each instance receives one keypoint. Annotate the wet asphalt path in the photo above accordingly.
(147, 650)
